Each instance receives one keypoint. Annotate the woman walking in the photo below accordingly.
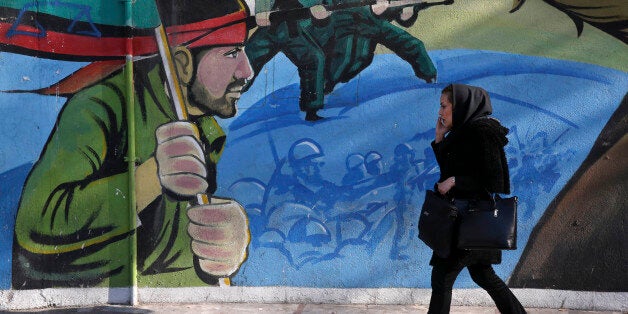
(469, 149)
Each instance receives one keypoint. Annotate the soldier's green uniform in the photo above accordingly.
(72, 226)
(337, 51)
(358, 30)
(291, 32)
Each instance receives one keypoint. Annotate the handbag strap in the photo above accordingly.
(492, 197)
(445, 197)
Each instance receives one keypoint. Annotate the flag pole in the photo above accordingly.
(172, 79)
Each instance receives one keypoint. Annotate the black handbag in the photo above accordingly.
(490, 224)
(436, 223)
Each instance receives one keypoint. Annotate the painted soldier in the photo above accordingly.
(73, 223)
(288, 26)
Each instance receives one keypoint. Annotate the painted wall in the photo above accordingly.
(319, 176)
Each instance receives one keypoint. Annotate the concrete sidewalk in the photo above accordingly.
(230, 308)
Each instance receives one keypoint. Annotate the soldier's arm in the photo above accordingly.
(77, 194)
(264, 6)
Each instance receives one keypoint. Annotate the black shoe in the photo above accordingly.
(329, 87)
(431, 79)
(312, 116)
(428, 79)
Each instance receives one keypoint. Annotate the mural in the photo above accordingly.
(317, 179)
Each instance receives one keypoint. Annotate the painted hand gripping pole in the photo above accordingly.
(174, 86)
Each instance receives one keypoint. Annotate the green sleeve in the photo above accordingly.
(76, 196)
(268, 5)
(311, 3)
(264, 5)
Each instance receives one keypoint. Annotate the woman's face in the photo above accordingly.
(445, 113)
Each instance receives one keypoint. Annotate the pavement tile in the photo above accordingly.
(248, 308)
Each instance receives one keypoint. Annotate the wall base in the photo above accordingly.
(532, 298)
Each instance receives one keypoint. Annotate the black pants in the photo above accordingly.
(443, 277)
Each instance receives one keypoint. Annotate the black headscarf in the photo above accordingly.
(470, 103)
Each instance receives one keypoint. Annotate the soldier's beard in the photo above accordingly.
(224, 106)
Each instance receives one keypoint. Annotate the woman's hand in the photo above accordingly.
(441, 130)
(445, 186)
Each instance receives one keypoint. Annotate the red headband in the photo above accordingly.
(229, 29)
(224, 30)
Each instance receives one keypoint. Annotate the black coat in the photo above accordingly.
(474, 155)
